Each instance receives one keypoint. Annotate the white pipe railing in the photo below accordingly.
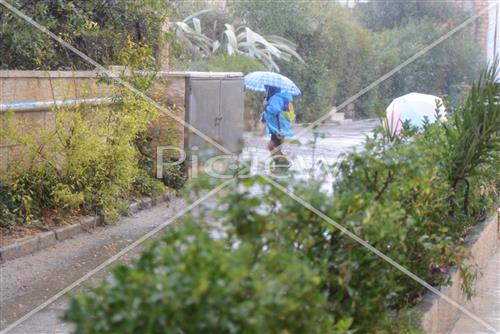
(45, 105)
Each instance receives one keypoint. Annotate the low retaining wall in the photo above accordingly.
(439, 316)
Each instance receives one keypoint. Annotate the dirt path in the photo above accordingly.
(27, 282)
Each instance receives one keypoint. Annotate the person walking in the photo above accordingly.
(279, 113)
(278, 126)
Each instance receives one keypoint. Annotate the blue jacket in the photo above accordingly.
(274, 114)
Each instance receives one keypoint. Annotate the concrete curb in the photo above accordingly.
(439, 316)
(30, 245)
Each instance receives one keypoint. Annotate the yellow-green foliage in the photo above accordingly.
(89, 159)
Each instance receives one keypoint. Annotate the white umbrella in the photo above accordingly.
(413, 107)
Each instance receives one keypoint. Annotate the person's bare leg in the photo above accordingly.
(279, 158)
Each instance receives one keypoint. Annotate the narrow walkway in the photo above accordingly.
(486, 303)
(27, 282)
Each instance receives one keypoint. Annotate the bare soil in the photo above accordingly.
(49, 221)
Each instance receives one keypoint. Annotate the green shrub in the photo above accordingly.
(174, 175)
(191, 282)
(145, 184)
(357, 283)
(31, 192)
(7, 218)
(223, 63)
(99, 30)
(92, 158)
(434, 73)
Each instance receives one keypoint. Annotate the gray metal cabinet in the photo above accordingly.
(215, 106)
(232, 112)
(203, 109)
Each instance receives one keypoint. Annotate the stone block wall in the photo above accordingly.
(169, 90)
(46, 86)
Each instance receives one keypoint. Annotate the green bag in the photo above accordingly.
(290, 112)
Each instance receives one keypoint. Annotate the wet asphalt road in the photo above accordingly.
(27, 282)
(333, 140)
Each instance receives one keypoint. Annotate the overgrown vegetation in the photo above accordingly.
(231, 38)
(202, 284)
(344, 54)
(99, 29)
(223, 63)
(258, 261)
(93, 159)
(447, 69)
(343, 49)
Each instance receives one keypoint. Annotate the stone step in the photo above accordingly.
(337, 117)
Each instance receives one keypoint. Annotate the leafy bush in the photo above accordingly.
(29, 190)
(191, 282)
(223, 63)
(357, 285)
(435, 73)
(7, 218)
(98, 29)
(90, 160)
(144, 184)
(174, 175)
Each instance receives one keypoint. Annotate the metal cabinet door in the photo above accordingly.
(232, 109)
(203, 111)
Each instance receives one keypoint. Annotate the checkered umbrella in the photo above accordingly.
(258, 80)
